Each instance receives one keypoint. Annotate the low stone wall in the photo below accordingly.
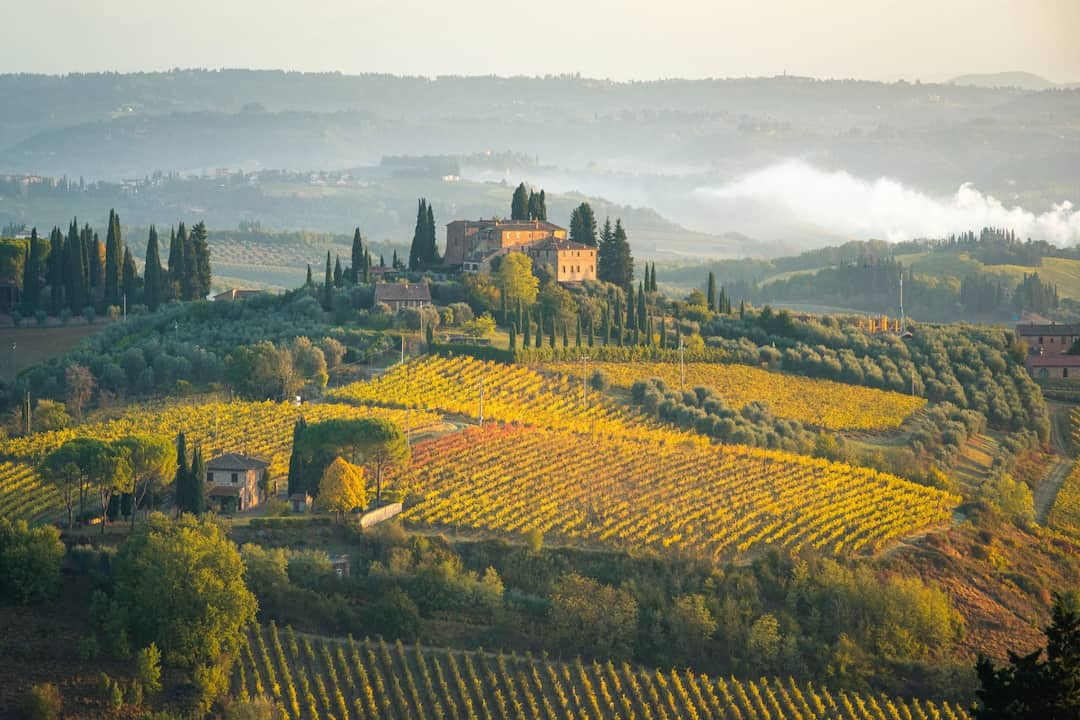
(377, 516)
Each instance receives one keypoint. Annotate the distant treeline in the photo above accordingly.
(77, 273)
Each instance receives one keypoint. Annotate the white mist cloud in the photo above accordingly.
(886, 209)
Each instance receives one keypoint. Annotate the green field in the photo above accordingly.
(1063, 272)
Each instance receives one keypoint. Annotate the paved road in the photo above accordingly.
(1056, 473)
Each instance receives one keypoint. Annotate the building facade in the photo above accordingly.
(467, 239)
(399, 296)
(570, 262)
(235, 481)
(1047, 345)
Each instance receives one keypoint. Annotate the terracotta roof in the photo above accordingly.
(235, 461)
(402, 292)
(553, 243)
(1054, 360)
(1048, 329)
(509, 224)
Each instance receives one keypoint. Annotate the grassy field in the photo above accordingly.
(1063, 272)
(34, 345)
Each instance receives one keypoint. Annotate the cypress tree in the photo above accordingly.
(583, 225)
(710, 292)
(551, 332)
(338, 274)
(296, 481)
(56, 270)
(176, 257)
(328, 285)
(631, 307)
(185, 265)
(197, 479)
(32, 274)
(526, 327)
(607, 325)
(200, 255)
(742, 309)
(309, 282)
(97, 262)
(86, 238)
(152, 272)
(577, 332)
(542, 215)
(416, 250)
(520, 203)
(431, 245)
(182, 477)
(565, 336)
(74, 274)
(112, 261)
(367, 266)
(130, 283)
(539, 339)
(394, 261)
(358, 256)
(663, 331)
(513, 336)
(592, 331)
(654, 288)
(642, 310)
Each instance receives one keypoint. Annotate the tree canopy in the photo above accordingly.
(342, 487)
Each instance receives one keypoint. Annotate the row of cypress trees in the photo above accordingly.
(79, 271)
(190, 481)
(423, 252)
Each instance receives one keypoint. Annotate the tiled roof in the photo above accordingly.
(234, 461)
(401, 292)
(1048, 329)
(553, 243)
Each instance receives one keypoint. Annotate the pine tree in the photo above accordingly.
(113, 258)
(338, 274)
(129, 279)
(152, 272)
(519, 204)
(710, 292)
(32, 274)
(197, 482)
(616, 262)
(200, 256)
(358, 256)
(583, 225)
(328, 285)
(181, 480)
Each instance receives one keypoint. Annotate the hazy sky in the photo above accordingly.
(621, 39)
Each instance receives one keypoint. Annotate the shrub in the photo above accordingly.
(148, 668)
(41, 702)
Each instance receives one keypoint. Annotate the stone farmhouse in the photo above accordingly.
(1048, 344)
(235, 481)
(474, 244)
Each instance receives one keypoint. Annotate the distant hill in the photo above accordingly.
(1014, 79)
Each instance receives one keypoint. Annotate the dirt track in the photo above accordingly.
(1056, 473)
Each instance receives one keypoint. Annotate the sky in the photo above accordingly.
(929, 40)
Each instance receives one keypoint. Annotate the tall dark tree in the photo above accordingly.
(615, 264)
(537, 205)
(129, 279)
(431, 247)
(297, 480)
(710, 291)
(197, 482)
(31, 292)
(176, 257)
(181, 481)
(310, 282)
(357, 258)
(339, 275)
(152, 272)
(184, 275)
(56, 270)
(74, 270)
(519, 204)
(200, 261)
(583, 225)
(642, 309)
(418, 249)
(97, 263)
(631, 308)
(113, 258)
(328, 285)
(366, 277)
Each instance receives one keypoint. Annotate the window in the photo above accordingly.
(1064, 372)
(1051, 341)
(210, 477)
(1040, 339)
(235, 478)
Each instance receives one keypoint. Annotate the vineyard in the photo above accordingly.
(821, 403)
(512, 394)
(346, 679)
(720, 501)
(1065, 513)
(261, 429)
